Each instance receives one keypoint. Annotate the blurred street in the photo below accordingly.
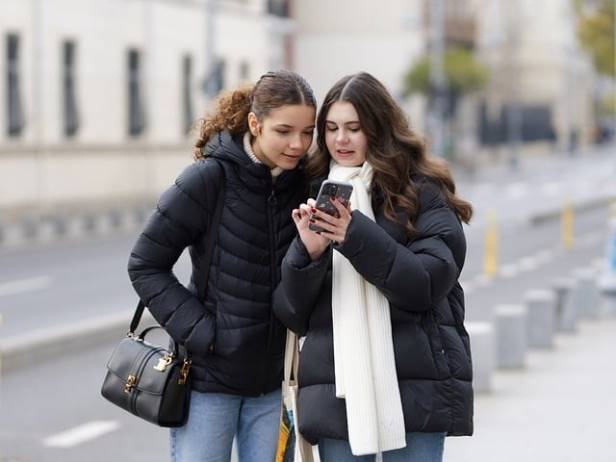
(540, 405)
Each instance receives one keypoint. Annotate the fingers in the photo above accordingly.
(296, 215)
(343, 211)
(305, 209)
(312, 203)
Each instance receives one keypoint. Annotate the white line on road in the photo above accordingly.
(517, 190)
(544, 256)
(482, 280)
(24, 285)
(509, 271)
(528, 263)
(81, 434)
(468, 287)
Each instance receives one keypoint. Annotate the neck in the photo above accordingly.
(256, 149)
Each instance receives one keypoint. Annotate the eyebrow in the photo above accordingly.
(291, 126)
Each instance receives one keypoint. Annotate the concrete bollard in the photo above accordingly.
(566, 311)
(608, 303)
(481, 336)
(511, 343)
(540, 315)
(586, 294)
(607, 281)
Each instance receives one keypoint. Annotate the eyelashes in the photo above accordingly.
(333, 129)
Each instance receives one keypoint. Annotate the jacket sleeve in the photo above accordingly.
(181, 217)
(300, 284)
(417, 276)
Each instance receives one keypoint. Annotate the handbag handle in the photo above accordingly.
(291, 356)
(144, 332)
(209, 251)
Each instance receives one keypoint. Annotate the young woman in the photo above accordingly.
(385, 368)
(248, 152)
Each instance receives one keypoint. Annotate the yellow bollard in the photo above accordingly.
(490, 253)
(566, 225)
(612, 208)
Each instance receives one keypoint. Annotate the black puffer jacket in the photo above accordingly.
(237, 345)
(419, 277)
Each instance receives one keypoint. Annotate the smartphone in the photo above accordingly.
(341, 190)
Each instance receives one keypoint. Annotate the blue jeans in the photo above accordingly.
(420, 447)
(216, 418)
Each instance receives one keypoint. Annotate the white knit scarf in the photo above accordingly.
(363, 346)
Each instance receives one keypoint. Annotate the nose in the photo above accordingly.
(296, 142)
(341, 136)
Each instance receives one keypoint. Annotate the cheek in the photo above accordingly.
(271, 143)
(362, 143)
(330, 138)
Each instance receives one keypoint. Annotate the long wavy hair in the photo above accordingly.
(395, 152)
(273, 90)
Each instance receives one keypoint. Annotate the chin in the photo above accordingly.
(349, 162)
(287, 165)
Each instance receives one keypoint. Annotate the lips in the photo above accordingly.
(344, 153)
(288, 156)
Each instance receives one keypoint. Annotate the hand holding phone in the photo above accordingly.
(341, 190)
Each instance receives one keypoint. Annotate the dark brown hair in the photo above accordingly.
(393, 148)
(272, 90)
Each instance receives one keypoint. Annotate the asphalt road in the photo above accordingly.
(62, 283)
(44, 401)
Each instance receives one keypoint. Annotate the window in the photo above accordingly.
(136, 111)
(15, 115)
(244, 71)
(69, 98)
(216, 78)
(278, 8)
(187, 106)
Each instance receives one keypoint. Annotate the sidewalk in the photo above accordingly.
(560, 408)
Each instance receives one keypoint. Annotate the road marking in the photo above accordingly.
(528, 263)
(24, 285)
(509, 271)
(467, 287)
(482, 280)
(81, 434)
(544, 256)
(552, 188)
(517, 190)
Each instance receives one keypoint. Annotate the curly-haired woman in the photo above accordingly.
(249, 152)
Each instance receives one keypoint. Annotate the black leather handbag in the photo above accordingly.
(149, 381)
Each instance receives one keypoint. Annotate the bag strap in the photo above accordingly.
(209, 252)
(291, 357)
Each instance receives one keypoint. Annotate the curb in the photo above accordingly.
(37, 346)
(554, 214)
(38, 227)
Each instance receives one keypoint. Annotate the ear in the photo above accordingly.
(253, 124)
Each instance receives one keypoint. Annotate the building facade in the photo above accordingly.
(99, 96)
(540, 85)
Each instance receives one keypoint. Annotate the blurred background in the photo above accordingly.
(98, 101)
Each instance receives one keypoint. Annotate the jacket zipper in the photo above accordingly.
(271, 205)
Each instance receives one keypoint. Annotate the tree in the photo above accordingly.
(463, 73)
(596, 33)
